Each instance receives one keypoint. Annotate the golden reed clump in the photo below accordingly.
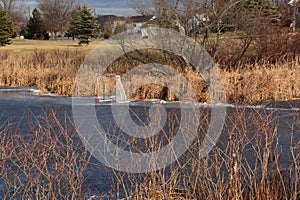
(55, 71)
(46, 70)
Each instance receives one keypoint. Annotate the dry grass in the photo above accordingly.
(261, 84)
(53, 66)
(46, 161)
(41, 158)
(246, 164)
(54, 69)
(46, 65)
(23, 46)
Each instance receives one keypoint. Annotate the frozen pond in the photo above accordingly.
(15, 103)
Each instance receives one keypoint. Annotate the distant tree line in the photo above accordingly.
(54, 17)
(206, 17)
(50, 18)
(257, 26)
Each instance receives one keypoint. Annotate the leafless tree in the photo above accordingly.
(7, 4)
(193, 16)
(144, 7)
(57, 14)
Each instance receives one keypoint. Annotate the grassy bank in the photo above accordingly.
(26, 47)
(53, 65)
(55, 70)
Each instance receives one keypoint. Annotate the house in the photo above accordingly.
(153, 22)
(156, 22)
(134, 23)
(113, 20)
(197, 23)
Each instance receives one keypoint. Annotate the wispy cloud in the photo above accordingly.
(116, 11)
(109, 4)
(103, 7)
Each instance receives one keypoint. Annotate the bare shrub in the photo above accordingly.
(267, 49)
(46, 161)
(247, 163)
(42, 158)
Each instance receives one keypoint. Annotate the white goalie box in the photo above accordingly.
(109, 88)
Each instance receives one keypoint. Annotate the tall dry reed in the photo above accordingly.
(42, 158)
(249, 162)
(55, 71)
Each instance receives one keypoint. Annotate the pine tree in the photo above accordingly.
(118, 29)
(6, 28)
(72, 30)
(85, 25)
(107, 33)
(35, 26)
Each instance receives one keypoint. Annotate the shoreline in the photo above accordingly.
(289, 104)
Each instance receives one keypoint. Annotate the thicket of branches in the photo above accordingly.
(57, 14)
(257, 28)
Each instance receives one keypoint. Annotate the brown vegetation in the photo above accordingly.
(55, 70)
(254, 69)
(44, 163)
(261, 84)
(48, 162)
(248, 163)
(40, 158)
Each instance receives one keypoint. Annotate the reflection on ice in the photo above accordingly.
(33, 94)
(28, 90)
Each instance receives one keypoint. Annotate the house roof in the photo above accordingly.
(139, 19)
(109, 18)
(154, 21)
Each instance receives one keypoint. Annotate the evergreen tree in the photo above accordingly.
(72, 31)
(6, 28)
(107, 33)
(118, 29)
(85, 25)
(35, 26)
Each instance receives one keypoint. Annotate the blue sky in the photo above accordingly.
(104, 7)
